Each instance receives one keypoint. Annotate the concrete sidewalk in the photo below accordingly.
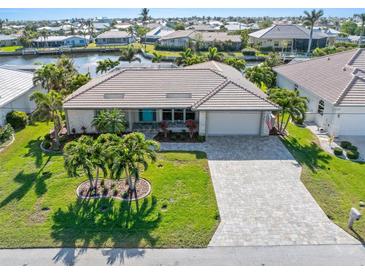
(268, 255)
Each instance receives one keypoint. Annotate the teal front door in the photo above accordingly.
(147, 115)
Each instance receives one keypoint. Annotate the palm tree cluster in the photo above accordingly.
(262, 75)
(106, 65)
(129, 54)
(58, 80)
(116, 157)
(292, 106)
(188, 57)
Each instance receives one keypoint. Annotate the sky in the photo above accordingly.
(63, 13)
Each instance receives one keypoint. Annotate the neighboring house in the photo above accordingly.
(61, 41)
(335, 87)
(215, 95)
(16, 87)
(182, 38)
(114, 37)
(289, 37)
(153, 35)
(101, 26)
(236, 26)
(203, 27)
(8, 40)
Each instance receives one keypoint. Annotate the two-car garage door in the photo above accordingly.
(233, 123)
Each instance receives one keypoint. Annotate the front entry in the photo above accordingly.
(147, 115)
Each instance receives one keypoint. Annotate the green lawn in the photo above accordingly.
(10, 48)
(38, 205)
(336, 184)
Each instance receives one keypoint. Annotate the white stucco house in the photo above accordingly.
(114, 37)
(61, 41)
(335, 87)
(215, 95)
(16, 87)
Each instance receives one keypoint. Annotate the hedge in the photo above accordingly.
(17, 119)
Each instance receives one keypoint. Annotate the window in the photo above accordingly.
(321, 107)
(178, 115)
(167, 114)
(276, 44)
(147, 115)
(189, 114)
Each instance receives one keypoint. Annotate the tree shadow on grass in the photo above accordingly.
(99, 223)
(27, 181)
(310, 155)
(35, 151)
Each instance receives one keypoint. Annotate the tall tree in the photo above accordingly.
(44, 34)
(310, 19)
(49, 107)
(131, 156)
(292, 106)
(362, 31)
(110, 121)
(145, 17)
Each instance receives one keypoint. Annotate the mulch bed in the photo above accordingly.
(113, 189)
(179, 137)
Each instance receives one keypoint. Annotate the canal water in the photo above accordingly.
(84, 62)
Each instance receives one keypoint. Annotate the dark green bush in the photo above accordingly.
(352, 147)
(17, 119)
(47, 137)
(338, 151)
(201, 138)
(345, 144)
(47, 144)
(249, 52)
(352, 154)
(5, 133)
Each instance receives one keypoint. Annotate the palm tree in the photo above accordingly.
(156, 57)
(261, 75)
(129, 54)
(79, 155)
(106, 65)
(292, 106)
(48, 107)
(132, 154)
(145, 16)
(310, 19)
(1, 23)
(362, 18)
(214, 54)
(110, 121)
(44, 34)
(184, 56)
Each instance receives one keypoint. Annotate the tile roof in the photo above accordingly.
(113, 34)
(168, 88)
(337, 78)
(206, 36)
(177, 34)
(13, 84)
(286, 31)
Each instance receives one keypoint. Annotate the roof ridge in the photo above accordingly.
(268, 29)
(345, 90)
(315, 58)
(352, 59)
(77, 92)
(210, 94)
(265, 99)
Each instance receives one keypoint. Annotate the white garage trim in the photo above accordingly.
(220, 123)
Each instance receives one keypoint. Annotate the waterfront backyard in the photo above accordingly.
(39, 207)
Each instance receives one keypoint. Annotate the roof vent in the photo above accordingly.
(178, 95)
(344, 68)
(328, 58)
(113, 95)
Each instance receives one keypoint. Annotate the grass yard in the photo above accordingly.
(336, 184)
(10, 48)
(39, 208)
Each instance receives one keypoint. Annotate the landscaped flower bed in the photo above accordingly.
(179, 137)
(113, 189)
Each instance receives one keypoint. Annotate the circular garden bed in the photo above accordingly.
(113, 189)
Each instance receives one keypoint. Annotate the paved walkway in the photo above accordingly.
(261, 200)
(271, 255)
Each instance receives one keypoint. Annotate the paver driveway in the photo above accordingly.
(260, 196)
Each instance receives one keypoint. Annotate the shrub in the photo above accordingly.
(338, 151)
(345, 144)
(47, 144)
(17, 119)
(125, 195)
(352, 148)
(249, 52)
(5, 133)
(47, 137)
(266, 49)
(201, 138)
(352, 154)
